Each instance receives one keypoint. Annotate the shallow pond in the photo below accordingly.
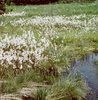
(89, 71)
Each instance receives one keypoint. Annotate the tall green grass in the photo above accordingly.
(68, 89)
(57, 9)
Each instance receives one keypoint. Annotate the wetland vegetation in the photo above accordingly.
(38, 43)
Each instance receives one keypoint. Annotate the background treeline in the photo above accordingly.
(2, 6)
(18, 2)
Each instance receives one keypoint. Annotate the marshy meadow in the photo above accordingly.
(49, 50)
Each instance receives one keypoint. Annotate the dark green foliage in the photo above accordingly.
(2, 6)
(24, 2)
(8, 2)
(33, 1)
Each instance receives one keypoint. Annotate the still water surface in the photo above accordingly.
(89, 71)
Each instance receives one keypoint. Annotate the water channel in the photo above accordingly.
(89, 72)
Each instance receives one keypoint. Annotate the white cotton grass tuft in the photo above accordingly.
(17, 51)
(13, 14)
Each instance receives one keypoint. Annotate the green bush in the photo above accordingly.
(2, 6)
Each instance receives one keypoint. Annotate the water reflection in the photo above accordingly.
(87, 67)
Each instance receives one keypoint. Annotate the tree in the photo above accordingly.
(2, 6)
(33, 1)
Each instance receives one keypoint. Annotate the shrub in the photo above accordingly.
(2, 6)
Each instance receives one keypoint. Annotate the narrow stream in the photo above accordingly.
(87, 68)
